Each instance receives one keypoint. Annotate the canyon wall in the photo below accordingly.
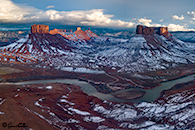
(41, 29)
(151, 30)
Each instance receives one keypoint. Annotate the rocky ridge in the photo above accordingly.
(151, 49)
(76, 36)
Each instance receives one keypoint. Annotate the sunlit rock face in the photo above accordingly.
(41, 29)
(151, 30)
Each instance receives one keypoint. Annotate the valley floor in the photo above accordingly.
(64, 106)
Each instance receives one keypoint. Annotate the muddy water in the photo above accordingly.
(151, 94)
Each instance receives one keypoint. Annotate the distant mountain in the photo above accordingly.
(150, 49)
(185, 36)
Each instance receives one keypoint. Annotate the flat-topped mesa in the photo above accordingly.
(41, 29)
(79, 34)
(151, 30)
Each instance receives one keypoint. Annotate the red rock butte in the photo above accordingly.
(41, 29)
(151, 30)
(77, 35)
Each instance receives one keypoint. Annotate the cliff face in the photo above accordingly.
(74, 36)
(41, 29)
(80, 34)
(151, 30)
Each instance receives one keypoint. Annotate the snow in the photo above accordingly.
(94, 119)
(72, 121)
(185, 115)
(51, 113)
(22, 40)
(49, 87)
(30, 48)
(159, 127)
(137, 126)
(82, 70)
(64, 96)
(118, 113)
(2, 113)
(176, 109)
(39, 105)
(65, 101)
(138, 39)
(79, 112)
(2, 101)
(127, 55)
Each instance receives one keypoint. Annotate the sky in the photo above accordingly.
(177, 15)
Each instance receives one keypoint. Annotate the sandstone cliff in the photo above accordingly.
(80, 34)
(151, 30)
(77, 35)
(41, 29)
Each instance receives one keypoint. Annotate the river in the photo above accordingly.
(150, 95)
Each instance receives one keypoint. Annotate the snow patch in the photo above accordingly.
(49, 87)
(79, 112)
(94, 119)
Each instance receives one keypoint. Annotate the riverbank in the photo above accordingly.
(32, 75)
(129, 95)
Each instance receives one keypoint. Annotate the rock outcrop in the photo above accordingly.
(41, 29)
(151, 30)
(74, 36)
(80, 34)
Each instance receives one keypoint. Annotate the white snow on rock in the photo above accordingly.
(66, 101)
(79, 112)
(127, 55)
(49, 87)
(94, 119)
(118, 112)
(82, 70)
(2, 101)
(177, 109)
(2, 113)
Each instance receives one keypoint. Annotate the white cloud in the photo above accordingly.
(171, 27)
(11, 12)
(94, 17)
(191, 14)
(144, 21)
(178, 27)
(175, 17)
(50, 6)
(161, 20)
(148, 22)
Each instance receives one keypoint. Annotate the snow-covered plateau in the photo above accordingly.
(138, 54)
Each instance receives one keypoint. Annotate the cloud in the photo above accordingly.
(191, 14)
(161, 20)
(94, 17)
(11, 12)
(148, 22)
(175, 17)
(50, 6)
(171, 27)
(144, 21)
(178, 27)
